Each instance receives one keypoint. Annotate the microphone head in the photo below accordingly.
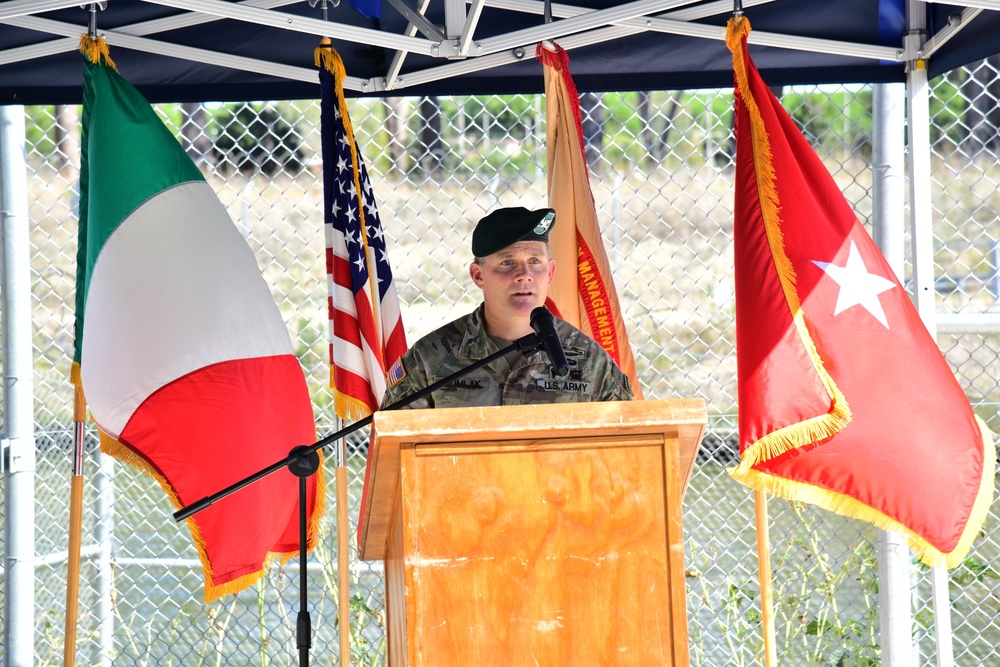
(544, 325)
(539, 317)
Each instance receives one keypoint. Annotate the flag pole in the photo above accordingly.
(76, 478)
(764, 574)
(327, 57)
(763, 537)
(343, 553)
(343, 556)
(75, 527)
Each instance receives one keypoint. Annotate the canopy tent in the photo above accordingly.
(219, 50)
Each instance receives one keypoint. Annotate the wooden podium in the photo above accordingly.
(532, 535)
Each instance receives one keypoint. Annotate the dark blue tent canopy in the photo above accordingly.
(204, 50)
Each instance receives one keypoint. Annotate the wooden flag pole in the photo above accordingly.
(343, 558)
(764, 573)
(75, 529)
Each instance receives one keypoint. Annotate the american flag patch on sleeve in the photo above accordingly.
(395, 373)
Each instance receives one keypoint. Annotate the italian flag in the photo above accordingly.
(181, 351)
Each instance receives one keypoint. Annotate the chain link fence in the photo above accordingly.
(662, 172)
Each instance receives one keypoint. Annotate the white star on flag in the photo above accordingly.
(857, 286)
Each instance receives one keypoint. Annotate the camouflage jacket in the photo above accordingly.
(593, 375)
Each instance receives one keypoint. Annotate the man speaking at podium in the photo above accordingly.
(513, 267)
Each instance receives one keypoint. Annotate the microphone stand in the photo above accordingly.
(303, 461)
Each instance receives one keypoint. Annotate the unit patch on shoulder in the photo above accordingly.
(395, 373)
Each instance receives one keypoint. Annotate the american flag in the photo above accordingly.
(366, 330)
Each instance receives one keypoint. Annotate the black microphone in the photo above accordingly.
(545, 328)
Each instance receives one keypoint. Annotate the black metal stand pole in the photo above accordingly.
(303, 622)
(304, 466)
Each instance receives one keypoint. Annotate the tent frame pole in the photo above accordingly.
(18, 444)
(922, 242)
(888, 225)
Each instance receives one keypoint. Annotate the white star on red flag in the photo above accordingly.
(858, 287)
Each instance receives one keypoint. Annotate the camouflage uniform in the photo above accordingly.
(593, 376)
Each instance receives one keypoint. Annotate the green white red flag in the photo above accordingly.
(180, 348)
(845, 400)
(585, 295)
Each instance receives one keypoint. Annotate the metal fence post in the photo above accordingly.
(18, 394)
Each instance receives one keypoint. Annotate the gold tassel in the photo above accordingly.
(319, 508)
(95, 49)
(326, 56)
(79, 399)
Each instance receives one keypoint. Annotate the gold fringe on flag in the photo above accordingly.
(823, 426)
(95, 49)
(80, 403)
(114, 448)
(847, 506)
(349, 407)
(981, 507)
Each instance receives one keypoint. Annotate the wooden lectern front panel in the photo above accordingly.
(543, 554)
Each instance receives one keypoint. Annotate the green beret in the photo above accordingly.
(507, 226)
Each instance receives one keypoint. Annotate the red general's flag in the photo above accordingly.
(183, 355)
(845, 400)
(585, 297)
(366, 326)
